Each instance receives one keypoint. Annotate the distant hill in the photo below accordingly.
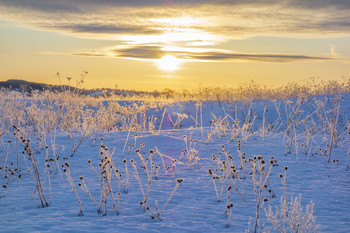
(22, 85)
(25, 86)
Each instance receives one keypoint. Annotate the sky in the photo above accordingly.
(156, 44)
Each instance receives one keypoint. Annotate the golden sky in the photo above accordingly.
(154, 44)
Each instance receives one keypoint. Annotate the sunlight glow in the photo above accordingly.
(176, 22)
(169, 63)
(186, 37)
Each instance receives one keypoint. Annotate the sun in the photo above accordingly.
(169, 63)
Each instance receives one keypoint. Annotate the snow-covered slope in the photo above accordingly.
(205, 129)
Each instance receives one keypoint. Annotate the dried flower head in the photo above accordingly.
(179, 180)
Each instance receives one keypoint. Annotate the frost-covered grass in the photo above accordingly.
(72, 163)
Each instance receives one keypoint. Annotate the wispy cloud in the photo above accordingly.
(230, 18)
(332, 48)
(205, 55)
(275, 58)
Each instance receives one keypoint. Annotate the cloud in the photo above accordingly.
(233, 19)
(332, 48)
(205, 55)
(275, 58)
(59, 5)
(140, 52)
(146, 28)
(99, 28)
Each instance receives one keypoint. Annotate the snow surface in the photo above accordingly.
(194, 206)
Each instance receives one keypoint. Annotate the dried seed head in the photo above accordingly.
(81, 177)
(89, 161)
(179, 180)
(285, 168)
(79, 184)
(266, 199)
